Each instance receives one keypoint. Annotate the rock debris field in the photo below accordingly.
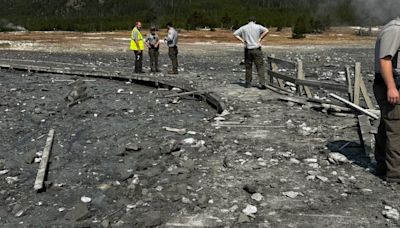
(130, 157)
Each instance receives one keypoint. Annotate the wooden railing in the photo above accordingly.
(303, 85)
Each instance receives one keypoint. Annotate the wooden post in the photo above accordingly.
(357, 79)
(301, 76)
(349, 85)
(365, 135)
(45, 160)
(365, 94)
(271, 79)
(299, 88)
(274, 68)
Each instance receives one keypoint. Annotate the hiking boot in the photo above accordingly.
(172, 72)
(262, 87)
(380, 169)
(247, 85)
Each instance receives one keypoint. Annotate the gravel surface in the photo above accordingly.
(135, 159)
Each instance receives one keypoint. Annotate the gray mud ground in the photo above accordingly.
(206, 182)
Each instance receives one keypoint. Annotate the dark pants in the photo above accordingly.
(154, 53)
(138, 61)
(173, 55)
(387, 141)
(254, 56)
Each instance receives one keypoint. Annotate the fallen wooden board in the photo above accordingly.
(279, 90)
(187, 93)
(354, 106)
(44, 162)
(310, 83)
(316, 103)
(320, 85)
(281, 76)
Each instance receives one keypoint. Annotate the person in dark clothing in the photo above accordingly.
(172, 43)
(153, 43)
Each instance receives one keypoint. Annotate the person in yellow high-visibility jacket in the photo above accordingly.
(137, 46)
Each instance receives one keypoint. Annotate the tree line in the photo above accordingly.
(108, 15)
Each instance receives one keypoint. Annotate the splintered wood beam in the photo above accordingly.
(354, 106)
(44, 162)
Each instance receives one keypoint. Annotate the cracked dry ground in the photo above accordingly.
(270, 163)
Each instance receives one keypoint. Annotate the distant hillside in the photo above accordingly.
(105, 15)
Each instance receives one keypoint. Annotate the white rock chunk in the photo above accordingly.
(391, 213)
(257, 197)
(86, 199)
(250, 210)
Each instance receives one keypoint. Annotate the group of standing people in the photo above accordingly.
(152, 42)
(386, 83)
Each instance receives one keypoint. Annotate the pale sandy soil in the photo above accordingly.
(119, 40)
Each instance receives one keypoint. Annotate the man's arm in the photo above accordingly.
(239, 38)
(157, 43)
(393, 96)
(170, 36)
(263, 35)
(147, 41)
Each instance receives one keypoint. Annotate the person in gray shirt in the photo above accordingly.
(172, 42)
(386, 90)
(153, 44)
(251, 36)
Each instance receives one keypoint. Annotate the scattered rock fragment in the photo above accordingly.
(243, 218)
(304, 130)
(250, 189)
(250, 210)
(322, 178)
(337, 158)
(257, 197)
(233, 208)
(170, 146)
(292, 194)
(133, 147)
(390, 213)
(189, 141)
(11, 180)
(86, 199)
(176, 130)
(202, 201)
(2, 172)
(78, 91)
